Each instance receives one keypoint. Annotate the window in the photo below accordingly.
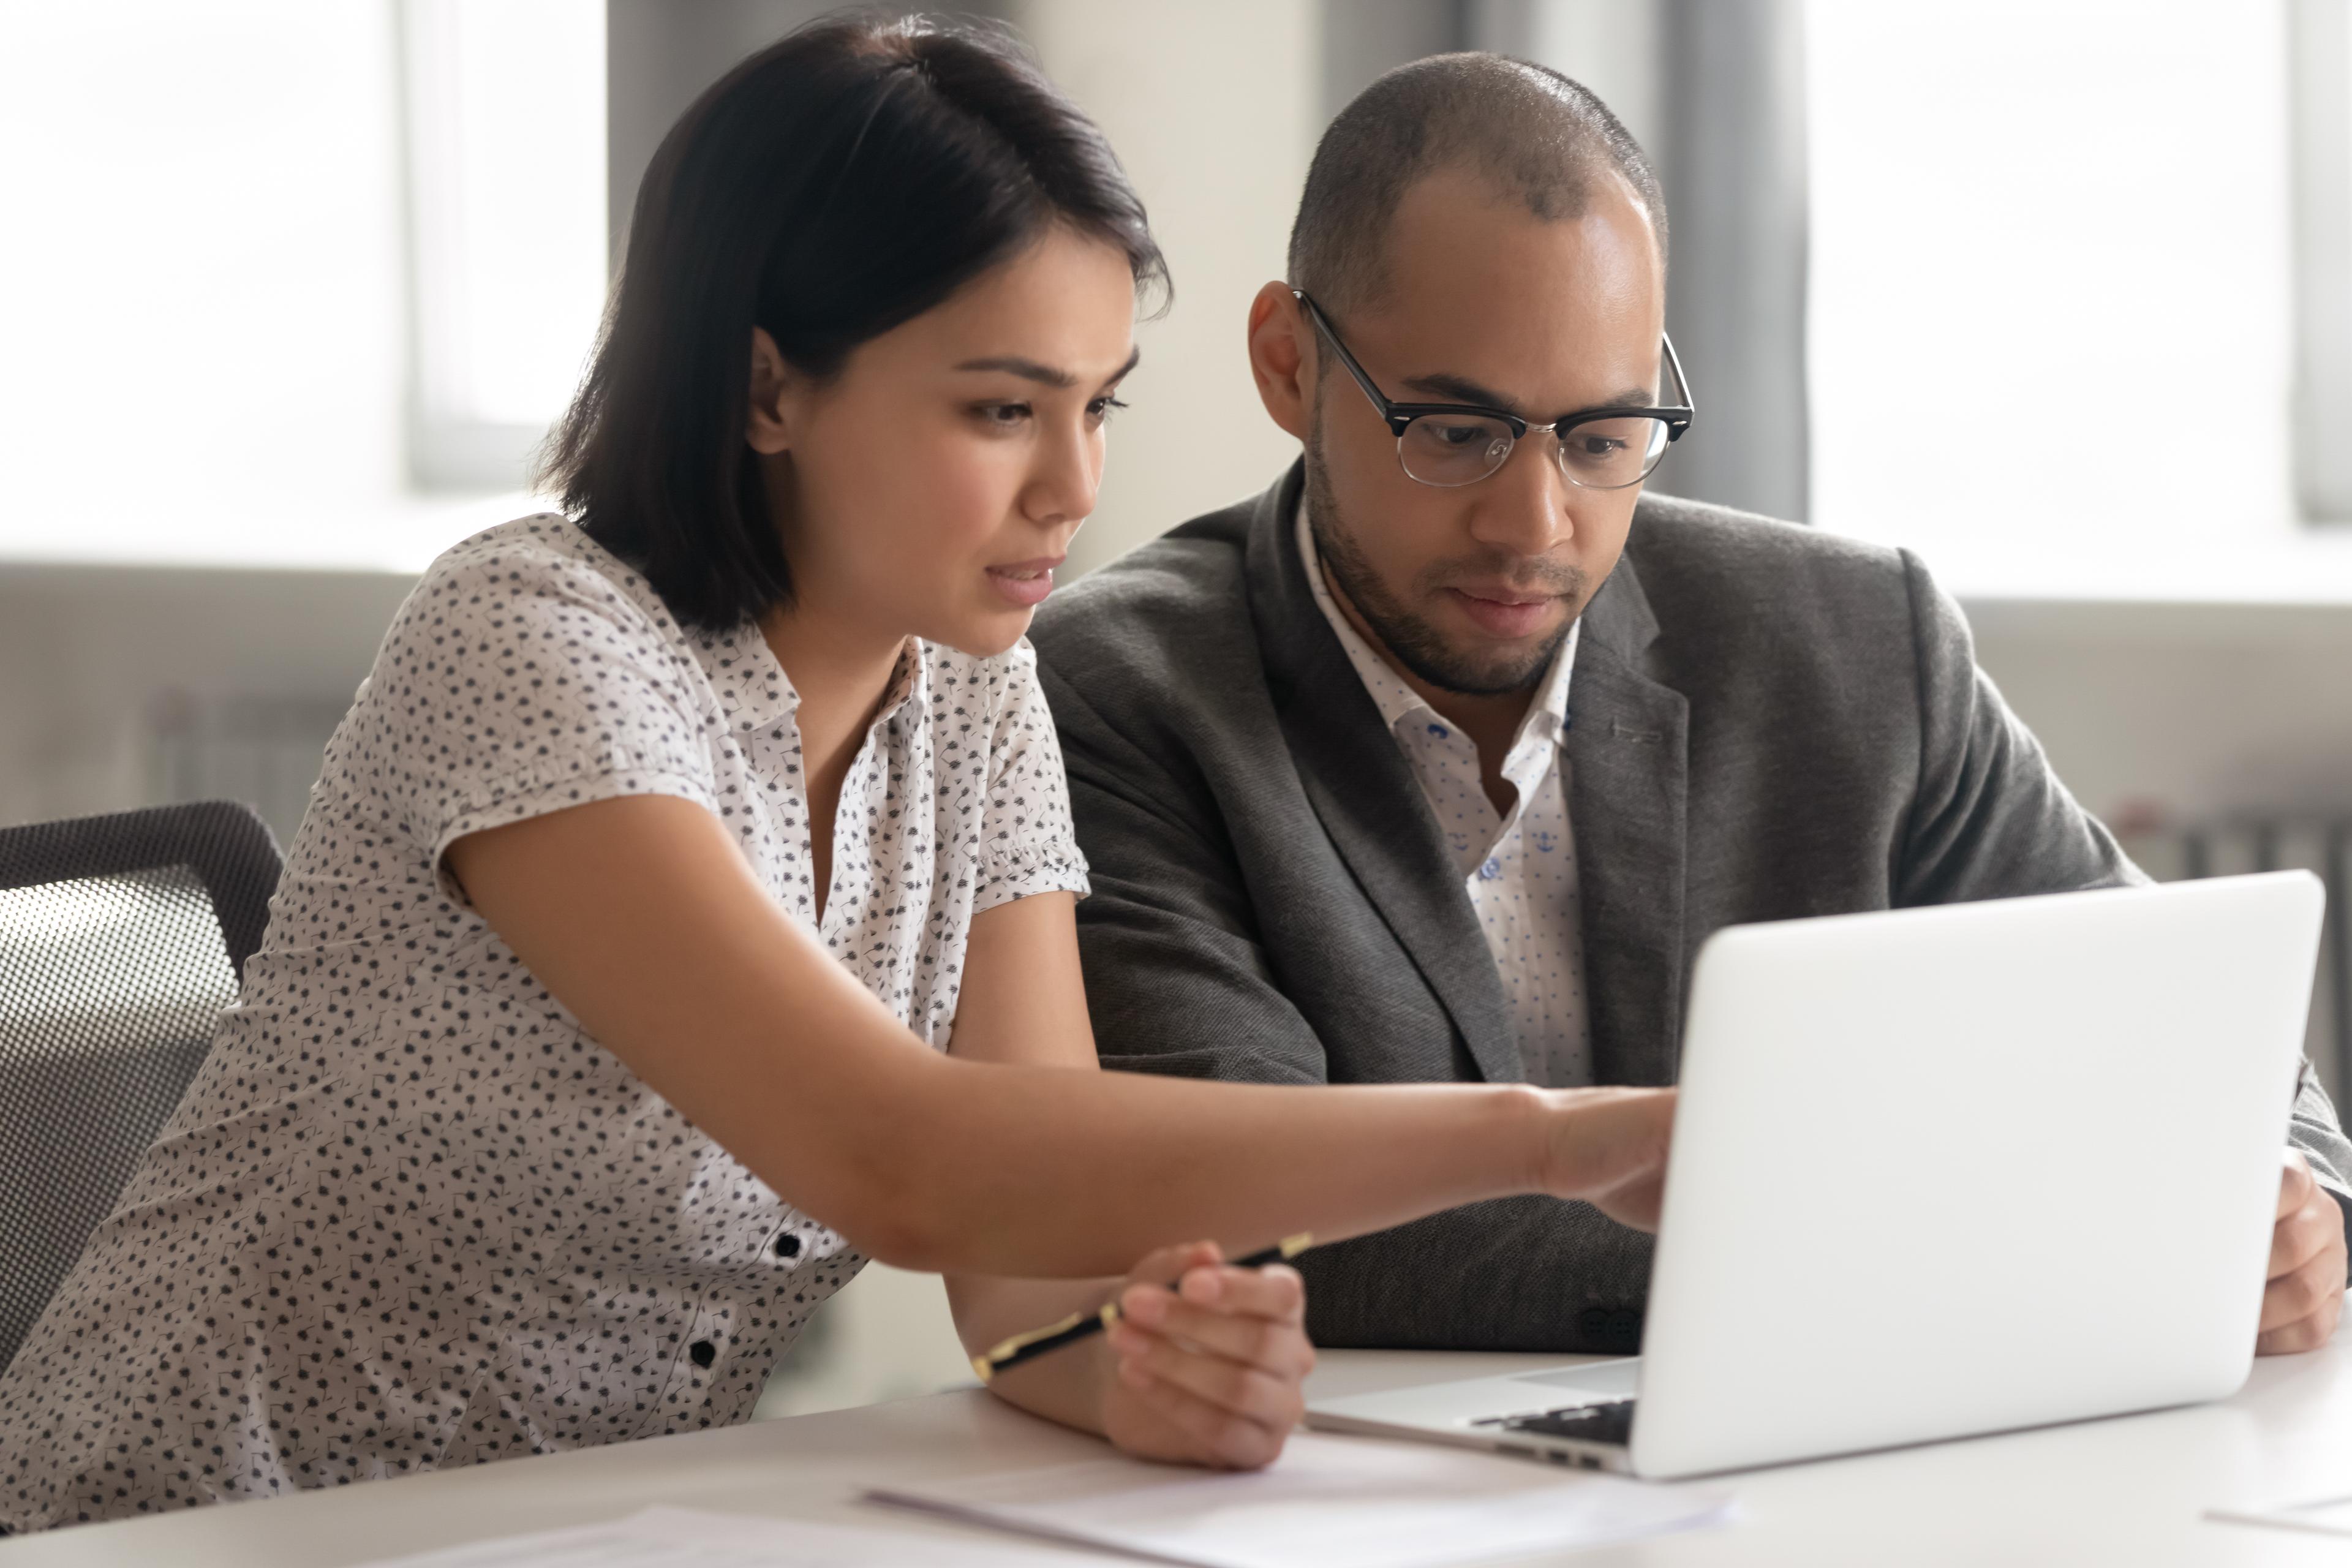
(212, 353)
(2052, 326)
(504, 111)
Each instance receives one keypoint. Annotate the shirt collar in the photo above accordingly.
(756, 694)
(1398, 702)
(907, 701)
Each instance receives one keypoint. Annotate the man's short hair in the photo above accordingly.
(1537, 136)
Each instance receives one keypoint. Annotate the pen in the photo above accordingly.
(1078, 1325)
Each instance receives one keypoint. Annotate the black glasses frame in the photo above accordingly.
(1677, 417)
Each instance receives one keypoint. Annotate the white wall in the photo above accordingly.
(86, 653)
(887, 1335)
(1212, 108)
(2181, 713)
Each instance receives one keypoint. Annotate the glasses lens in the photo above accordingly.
(1608, 454)
(1454, 448)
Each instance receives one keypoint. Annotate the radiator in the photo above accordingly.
(262, 749)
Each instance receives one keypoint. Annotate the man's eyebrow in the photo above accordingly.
(1457, 389)
(1043, 374)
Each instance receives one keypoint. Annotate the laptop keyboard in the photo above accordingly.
(1611, 1421)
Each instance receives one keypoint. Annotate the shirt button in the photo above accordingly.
(788, 1245)
(703, 1352)
(1490, 871)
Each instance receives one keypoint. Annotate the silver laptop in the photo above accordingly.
(1942, 1171)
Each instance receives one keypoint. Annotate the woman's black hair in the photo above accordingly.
(829, 188)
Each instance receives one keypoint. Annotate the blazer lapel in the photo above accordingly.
(1628, 753)
(1360, 785)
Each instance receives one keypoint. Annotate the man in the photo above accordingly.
(1440, 759)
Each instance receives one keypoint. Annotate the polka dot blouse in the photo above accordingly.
(409, 1215)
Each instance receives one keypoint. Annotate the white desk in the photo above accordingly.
(2122, 1491)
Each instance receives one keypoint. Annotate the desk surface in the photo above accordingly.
(2125, 1491)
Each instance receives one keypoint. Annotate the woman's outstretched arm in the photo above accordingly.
(641, 918)
(1209, 1373)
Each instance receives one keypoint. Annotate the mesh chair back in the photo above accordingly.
(122, 938)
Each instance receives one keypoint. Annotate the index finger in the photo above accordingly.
(1275, 1291)
(1167, 1263)
(2296, 1183)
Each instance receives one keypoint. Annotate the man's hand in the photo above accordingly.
(1207, 1374)
(2307, 1270)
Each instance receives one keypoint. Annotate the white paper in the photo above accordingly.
(687, 1538)
(1344, 1502)
(2322, 1516)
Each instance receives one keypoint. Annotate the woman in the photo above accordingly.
(684, 912)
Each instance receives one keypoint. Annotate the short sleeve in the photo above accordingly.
(1027, 844)
(515, 681)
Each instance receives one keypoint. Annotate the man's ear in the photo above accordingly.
(1283, 358)
(767, 428)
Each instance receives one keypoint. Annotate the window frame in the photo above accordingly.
(2319, 66)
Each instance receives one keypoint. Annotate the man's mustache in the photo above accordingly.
(1516, 574)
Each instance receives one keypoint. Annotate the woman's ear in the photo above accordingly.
(768, 426)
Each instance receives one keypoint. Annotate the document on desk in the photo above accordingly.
(689, 1538)
(1348, 1502)
(2321, 1516)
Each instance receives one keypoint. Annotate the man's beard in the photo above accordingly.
(1421, 647)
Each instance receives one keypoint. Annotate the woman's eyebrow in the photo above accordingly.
(1027, 369)
(1043, 374)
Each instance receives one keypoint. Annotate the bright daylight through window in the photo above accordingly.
(2053, 325)
(309, 279)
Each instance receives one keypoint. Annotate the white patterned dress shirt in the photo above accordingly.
(1520, 869)
(411, 1214)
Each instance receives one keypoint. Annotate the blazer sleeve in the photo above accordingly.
(1988, 818)
(1991, 820)
(1177, 981)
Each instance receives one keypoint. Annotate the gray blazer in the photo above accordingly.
(1765, 722)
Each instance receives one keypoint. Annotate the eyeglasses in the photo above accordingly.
(1453, 444)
